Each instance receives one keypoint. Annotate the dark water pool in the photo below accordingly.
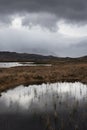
(58, 106)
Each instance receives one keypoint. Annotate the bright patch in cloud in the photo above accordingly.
(72, 30)
(17, 23)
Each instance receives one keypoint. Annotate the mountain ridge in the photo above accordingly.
(15, 56)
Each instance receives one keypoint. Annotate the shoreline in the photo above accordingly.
(28, 75)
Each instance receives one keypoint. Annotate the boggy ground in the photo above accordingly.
(62, 72)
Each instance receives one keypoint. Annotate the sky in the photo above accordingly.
(47, 27)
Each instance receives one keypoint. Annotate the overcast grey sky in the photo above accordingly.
(49, 27)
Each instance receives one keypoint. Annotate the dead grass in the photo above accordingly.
(71, 72)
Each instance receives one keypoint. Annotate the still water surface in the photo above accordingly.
(47, 106)
(15, 64)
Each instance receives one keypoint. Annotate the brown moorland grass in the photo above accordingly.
(68, 72)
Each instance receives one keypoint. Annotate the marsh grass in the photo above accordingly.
(62, 72)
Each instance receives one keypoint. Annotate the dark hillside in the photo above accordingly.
(13, 56)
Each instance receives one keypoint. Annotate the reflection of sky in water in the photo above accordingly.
(15, 64)
(42, 96)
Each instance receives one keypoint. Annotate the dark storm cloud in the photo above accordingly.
(70, 10)
(5, 20)
(45, 13)
(41, 19)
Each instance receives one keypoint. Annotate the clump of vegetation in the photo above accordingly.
(38, 77)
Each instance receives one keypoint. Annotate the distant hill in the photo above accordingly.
(13, 56)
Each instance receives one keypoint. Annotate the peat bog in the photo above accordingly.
(49, 95)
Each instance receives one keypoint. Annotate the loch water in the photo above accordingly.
(16, 64)
(57, 106)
